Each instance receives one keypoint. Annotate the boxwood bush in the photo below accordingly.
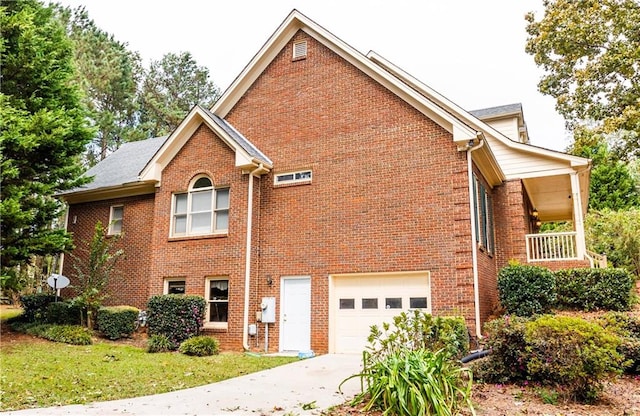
(591, 289)
(568, 352)
(177, 317)
(200, 346)
(116, 322)
(63, 313)
(627, 327)
(526, 290)
(35, 306)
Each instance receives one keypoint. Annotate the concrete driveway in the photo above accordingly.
(282, 390)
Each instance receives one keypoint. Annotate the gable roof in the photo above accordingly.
(248, 156)
(502, 110)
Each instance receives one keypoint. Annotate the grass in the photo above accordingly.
(44, 374)
(8, 313)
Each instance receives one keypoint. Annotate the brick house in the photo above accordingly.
(328, 190)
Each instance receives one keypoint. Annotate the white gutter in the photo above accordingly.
(247, 264)
(474, 252)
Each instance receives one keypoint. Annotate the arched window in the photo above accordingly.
(202, 210)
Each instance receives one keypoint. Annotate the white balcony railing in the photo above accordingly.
(552, 246)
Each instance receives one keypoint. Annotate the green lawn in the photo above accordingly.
(46, 374)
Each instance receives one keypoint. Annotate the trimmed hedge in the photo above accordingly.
(592, 289)
(35, 306)
(177, 317)
(627, 327)
(117, 322)
(526, 290)
(63, 313)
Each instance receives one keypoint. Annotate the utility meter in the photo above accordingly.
(268, 306)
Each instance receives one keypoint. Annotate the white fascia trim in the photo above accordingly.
(468, 118)
(179, 137)
(297, 21)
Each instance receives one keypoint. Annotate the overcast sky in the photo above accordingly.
(471, 51)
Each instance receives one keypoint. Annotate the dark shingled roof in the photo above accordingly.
(122, 166)
(492, 112)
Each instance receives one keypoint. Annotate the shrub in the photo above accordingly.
(63, 313)
(159, 343)
(627, 328)
(117, 322)
(178, 317)
(526, 290)
(68, 334)
(200, 346)
(590, 289)
(572, 353)
(414, 383)
(508, 361)
(35, 306)
(419, 330)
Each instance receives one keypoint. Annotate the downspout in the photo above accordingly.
(474, 252)
(247, 264)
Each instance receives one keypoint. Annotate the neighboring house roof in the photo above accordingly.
(501, 110)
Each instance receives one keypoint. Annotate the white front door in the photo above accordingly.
(295, 314)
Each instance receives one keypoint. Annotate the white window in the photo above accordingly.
(303, 176)
(115, 219)
(202, 210)
(217, 296)
(175, 286)
(483, 216)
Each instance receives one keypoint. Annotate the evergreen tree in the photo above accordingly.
(43, 131)
(108, 74)
(171, 88)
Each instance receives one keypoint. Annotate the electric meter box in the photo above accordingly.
(268, 307)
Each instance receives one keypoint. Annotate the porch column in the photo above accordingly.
(578, 220)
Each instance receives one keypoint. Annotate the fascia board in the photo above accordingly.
(470, 120)
(119, 191)
(179, 137)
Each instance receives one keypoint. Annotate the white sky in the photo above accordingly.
(471, 51)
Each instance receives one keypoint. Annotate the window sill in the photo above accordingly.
(198, 237)
(217, 327)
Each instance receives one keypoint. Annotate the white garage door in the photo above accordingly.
(361, 300)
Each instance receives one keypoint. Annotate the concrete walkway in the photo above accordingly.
(279, 391)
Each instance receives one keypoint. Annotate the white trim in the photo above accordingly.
(113, 220)
(206, 323)
(298, 177)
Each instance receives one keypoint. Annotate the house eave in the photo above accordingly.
(111, 192)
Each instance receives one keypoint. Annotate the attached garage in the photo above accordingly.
(359, 300)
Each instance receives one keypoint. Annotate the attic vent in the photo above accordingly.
(300, 50)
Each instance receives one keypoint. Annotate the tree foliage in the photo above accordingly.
(172, 86)
(109, 75)
(94, 265)
(43, 131)
(613, 185)
(616, 234)
(590, 50)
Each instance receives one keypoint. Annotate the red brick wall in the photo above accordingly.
(196, 258)
(389, 187)
(512, 223)
(129, 285)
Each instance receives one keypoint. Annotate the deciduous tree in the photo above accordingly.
(590, 50)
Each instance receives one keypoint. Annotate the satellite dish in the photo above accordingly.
(58, 281)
